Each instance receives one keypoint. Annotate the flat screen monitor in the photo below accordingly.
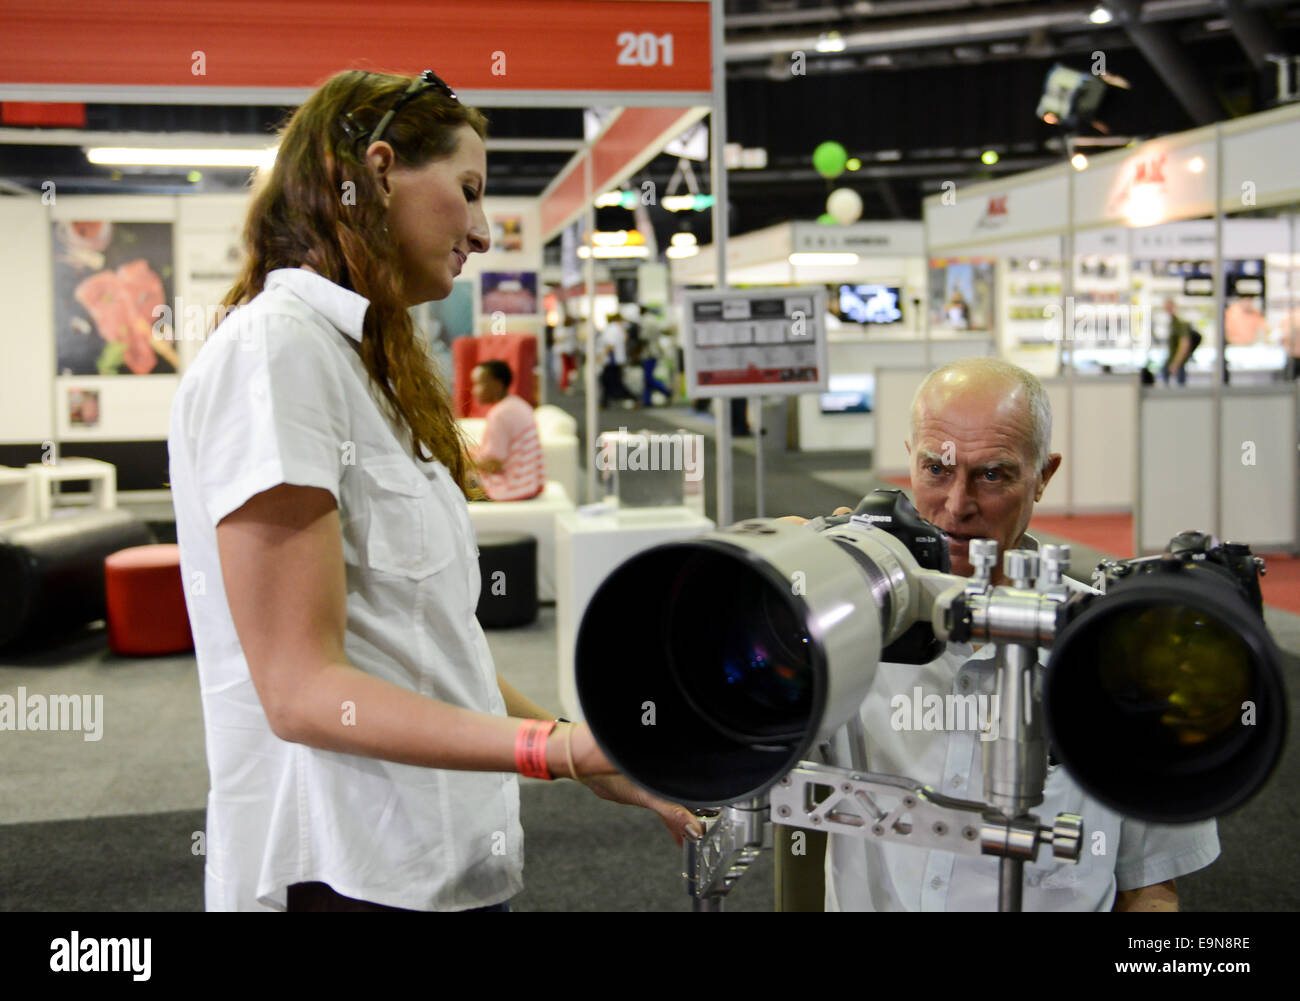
(849, 394)
(871, 303)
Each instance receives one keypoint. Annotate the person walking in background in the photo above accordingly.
(1183, 340)
(649, 360)
(613, 340)
(566, 346)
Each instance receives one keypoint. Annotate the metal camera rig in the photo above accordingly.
(765, 638)
(886, 808)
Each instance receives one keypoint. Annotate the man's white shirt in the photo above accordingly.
(1118, 853)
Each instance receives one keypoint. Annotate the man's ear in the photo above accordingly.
(1049, 470)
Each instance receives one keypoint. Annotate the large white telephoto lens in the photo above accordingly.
(708, 668)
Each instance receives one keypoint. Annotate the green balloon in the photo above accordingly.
(829, 159)
(826, 219)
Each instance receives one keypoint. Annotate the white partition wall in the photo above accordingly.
(1260, 467)
(26, 323)
(895, 388)
(1098, 446)
(1176, 474)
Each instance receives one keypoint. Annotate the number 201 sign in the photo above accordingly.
(645, 49)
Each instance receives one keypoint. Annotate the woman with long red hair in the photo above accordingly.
(361, 747)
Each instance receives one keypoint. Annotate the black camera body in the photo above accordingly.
(892, 512)
(1195, 552)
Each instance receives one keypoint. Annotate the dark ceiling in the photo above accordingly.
(922, 88)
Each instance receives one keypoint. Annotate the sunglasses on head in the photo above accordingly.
(428, 80)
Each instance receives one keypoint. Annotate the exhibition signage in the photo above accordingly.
(973, 214)
(206, 51)
(755, 342)
(870, 239)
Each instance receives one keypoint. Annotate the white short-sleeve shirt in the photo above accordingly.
(1118, 852)
(279, 394)
(615, 336)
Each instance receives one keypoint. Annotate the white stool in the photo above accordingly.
(17, 497)
(102, 477)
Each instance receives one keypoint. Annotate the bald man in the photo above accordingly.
(981, 458)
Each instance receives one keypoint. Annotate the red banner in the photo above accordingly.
(595, 46)
(631, 139)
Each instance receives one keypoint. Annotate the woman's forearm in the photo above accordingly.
(346, 710)
(341, 708)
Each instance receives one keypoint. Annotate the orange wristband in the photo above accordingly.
(530, 748)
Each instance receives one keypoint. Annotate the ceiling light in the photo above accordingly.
(823, 259)
(684, 240)
(139, 156)
(853, 163)
(1101, 14)
(602, 252)
(1196, 164)
(830, 41)
(1079, 161)
(989, 157)
(679, 251)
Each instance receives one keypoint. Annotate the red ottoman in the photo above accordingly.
(146, 601)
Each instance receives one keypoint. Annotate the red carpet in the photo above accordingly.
(1113, 534)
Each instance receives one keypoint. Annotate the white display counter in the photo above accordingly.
(588, 548)
(856, 354)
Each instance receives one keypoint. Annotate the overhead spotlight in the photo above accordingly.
(1050, 118)
(683, 239)
(135, 156)
(853, 163)
(989, 157)
(1101, 14)
(1196, 164)
(1079, 161)
(830, 41)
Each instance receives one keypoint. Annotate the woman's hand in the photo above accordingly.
(803, 521)
(618, 789)
(597, 774)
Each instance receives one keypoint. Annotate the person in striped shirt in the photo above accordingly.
(509, 459)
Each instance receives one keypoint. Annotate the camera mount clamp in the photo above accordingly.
(887, 808)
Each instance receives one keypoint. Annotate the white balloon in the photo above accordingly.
(845, 205)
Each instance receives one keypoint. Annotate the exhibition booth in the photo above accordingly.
(875, 279)
(1079, 271)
